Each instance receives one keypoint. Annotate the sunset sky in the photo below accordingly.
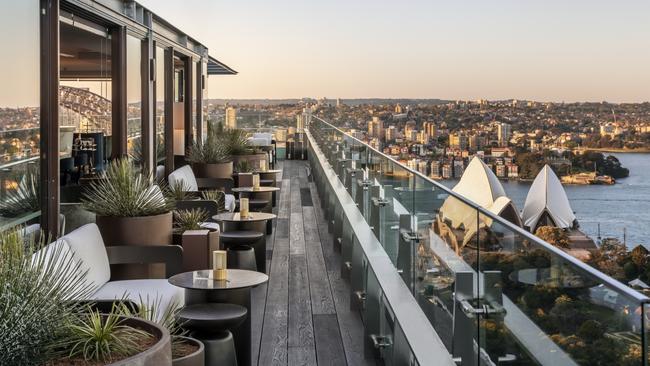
(551, 50)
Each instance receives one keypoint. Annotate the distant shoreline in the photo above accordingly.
(643, 150)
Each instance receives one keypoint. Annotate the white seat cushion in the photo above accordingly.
(143, 292)
(229, 203)
(186, 176)
(88, 247)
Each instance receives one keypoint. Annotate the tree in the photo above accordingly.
(553, 235)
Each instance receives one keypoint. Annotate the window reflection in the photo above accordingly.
(134, 99)
(19, 114)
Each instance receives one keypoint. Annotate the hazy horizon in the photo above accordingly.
(543, 50)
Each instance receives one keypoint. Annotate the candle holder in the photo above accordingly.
(219, 265)
(256, 182)
(243, 208)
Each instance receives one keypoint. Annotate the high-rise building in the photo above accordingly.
(457, 141)
(504, 132)
(376, 128)
(430, 129)
(391, 133)
(423, 138)
(398, 109)
(231, 118)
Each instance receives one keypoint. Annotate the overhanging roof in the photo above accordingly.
(216, 67)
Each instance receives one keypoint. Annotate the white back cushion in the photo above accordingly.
(185, 175)
(88, 247)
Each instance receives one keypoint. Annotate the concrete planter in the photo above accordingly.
(219, 170)
(198, 246)
(195, 359)
(141, 230)
(159, 354)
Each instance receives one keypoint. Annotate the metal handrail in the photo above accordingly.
(607, 280)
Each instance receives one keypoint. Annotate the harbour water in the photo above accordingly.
(623, 207)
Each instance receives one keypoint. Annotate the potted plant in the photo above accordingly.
(130, 209)
(186, 351)
(185, 220)
(211, 159)
(114, 339)
(240, 149)
(45, 327)
(198, 242)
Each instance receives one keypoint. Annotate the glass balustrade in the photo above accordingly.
(494, 293)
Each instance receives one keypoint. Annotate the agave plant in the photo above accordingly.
(189, 219)
(125, 192)
(212, 151)
(179, 191)
(152, 310)
(236, 142)
(215, 195)
(35, 306)
(24, 199)
(103, 337)
(244, 166)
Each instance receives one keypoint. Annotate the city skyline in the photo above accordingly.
(544, 51)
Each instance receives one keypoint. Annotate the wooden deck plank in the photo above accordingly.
(302, 356)
(273, 345)
(303, 316)
(319, 286)
(329, 347)
(301, 331)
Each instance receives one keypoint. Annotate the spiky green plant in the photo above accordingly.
(189, 219)
(215, 195)
(236, 142)
(103, 337)
(36, 288)
(179, 191)
(125, 192)
(24, 199)
(152, 310)
(244, 166)
(212, 151)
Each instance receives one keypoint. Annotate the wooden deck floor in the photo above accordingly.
(302, 316)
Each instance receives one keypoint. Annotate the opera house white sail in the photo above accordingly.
(547, 203)
(482, 186)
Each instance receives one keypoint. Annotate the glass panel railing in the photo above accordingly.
(494, 293)
(545, 309)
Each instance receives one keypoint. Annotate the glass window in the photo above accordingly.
(20, 113)
(85, 111)
(195, 69)
(134, 98)
(159, 141)
(206, 101)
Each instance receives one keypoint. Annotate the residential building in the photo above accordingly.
(231, 118)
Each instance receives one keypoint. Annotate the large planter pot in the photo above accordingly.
(160, 353)
(253, 159)
(195, 359)
(142, 230)
(219, 170)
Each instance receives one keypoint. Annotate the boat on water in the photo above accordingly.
(587, 179)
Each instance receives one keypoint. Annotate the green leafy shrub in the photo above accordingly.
(34, 300)
(125, 192)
